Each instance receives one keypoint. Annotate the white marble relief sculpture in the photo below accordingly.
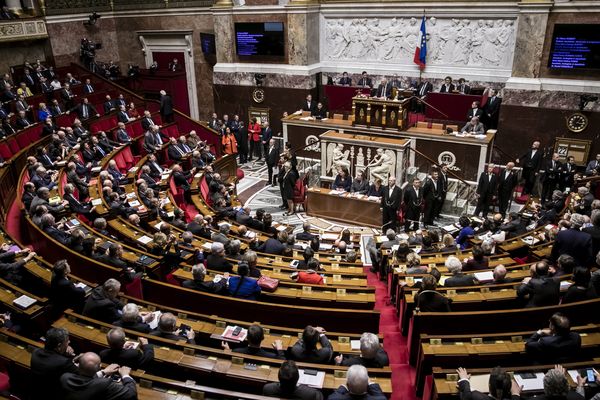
(451, 41)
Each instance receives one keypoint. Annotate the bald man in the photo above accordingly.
(86, 384)
(123, 352)
(357, 386)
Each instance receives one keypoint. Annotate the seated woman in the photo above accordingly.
(478, 262)
(376, 189)
(132, 111)
(311, 275)
(343, 181)
(242, 286)
(430, 300)
(466, 232)
(580, 289)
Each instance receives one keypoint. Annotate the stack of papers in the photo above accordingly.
(487, 276)
(144, 239)
(228, 334)
(315, 381)
(355, 344)
(536, 383)
(24, 302)
(96, 202)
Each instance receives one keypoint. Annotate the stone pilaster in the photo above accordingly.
(224, 34)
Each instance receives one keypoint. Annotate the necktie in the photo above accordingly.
(158, 139)
(90, 89)
(101, 151)
(58, 110)
(158, 167)
(25, 121)
(85, 111)
(186, 148)
(48, 159)
(179, 150)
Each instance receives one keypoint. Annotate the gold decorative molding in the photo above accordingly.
(25, 29)
(223, 3)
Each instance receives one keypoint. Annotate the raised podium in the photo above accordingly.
(381, 113)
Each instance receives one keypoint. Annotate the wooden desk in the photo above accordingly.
(343, 208)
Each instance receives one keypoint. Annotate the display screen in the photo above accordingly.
(259, 39)
(575, 47)
(207, 42)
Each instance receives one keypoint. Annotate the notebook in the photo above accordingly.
(24, 302)
(315, 381)
(228, 334)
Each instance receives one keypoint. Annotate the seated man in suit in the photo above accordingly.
(49, 363)
(22, 121)
(167, 329)
(123, 353)
(147, 120)
(86, 110)
(462, 87)
(305, 234)
(108, 105)
(305, 349)
(255, 337)
(474, 127)
(122, 134)
(86, 383)
(43, 179)
(10, 268)
(345, 80)
(216, 259)
(475, 111)
(198, 282)
(358, 387)
(122, 115)
(102, 304)
(320, 112)
(540, 289)
(371, 354)
(454, 266)
(500, 383)
(360, 185)
(555, 344)
(447, 86)
(135, 320)
(365, 81)
(54, 230)
(41, 198)
(175, 152)
(288, 386)
(274, 246)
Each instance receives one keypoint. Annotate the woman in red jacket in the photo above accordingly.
(229, 143)
(254, 131)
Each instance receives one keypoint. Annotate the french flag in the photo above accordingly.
(421, 50)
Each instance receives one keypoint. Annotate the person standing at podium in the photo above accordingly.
(345, 80)
(384, 90)
(309, 105)
(365, 81)
(390, 202)
(424, 88)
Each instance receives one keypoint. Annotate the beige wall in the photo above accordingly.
(17, 53)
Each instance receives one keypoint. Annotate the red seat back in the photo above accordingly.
(13, 145)
(5, 151)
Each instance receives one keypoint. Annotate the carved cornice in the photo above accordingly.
(24, 29)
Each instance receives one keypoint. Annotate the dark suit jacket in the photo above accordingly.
(64, 294)
(260, 352)
(474, 113)
(391, 200)
(553, 348)
(138, 325)
(47, 367)
(218, 263)
(108, 106)
(174, 152)
(380, 360)
(301, 392)
(486, 187)
(100, 307)
(541, 291)
(575, 243)
(384, 92)
(412, 202)
(147, 122)
(166, 105)
(90, 109)
(449, 89)
(594, 232)
(424, 88)
(320, 355)
(171, 336)
(272, 246)
(133, 358)
(492, 107)
(552, 173)
(308, 107)
(205, 286)
(460, 280)
(507, 184)
(432, 301)
(374, 392)
(364, 82)
(79, 387)
(464, 387)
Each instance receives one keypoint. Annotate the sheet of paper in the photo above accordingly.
(96, 202)
(315, 381)
(486, 276)
(144, 239)
(355, 344)
(536, 383)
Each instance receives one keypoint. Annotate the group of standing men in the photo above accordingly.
(553, 174)
(417, 198)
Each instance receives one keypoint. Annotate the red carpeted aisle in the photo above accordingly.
(403, 375)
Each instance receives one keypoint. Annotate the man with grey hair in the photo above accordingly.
(102, 303)
(221, 236)
(357, 386)
(135, 320)
(594, 230)
(86, 384)
(540, 289)
(371, 354)
(351, 256)
(125, 353)
(216, 259)
(391, 241)
(167, 329)
(233, 250)
(198, 226)
(43, 179)
(458, 278)
(574, 242)
(584, 206)
(305, 234)
(198, 283)
(41, 198)
(500, 276)
(556, 385)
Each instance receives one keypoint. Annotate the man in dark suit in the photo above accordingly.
(358, 386)
(345, 80)
(166, 107)
(594, 232)
(462, 87)
(156, 170)
(551, 179)
(531, 162)
(443, 188)
(102, 303)
(87, 87)
(305, 349)
(167, 329)
(567, 174)
(475, 111)
(309, 104)
(413, 200)
(422, 90)
(539, 290)
(447, 86)
(174, 151)
(390, 202)
(514, 227)
(122, 134)
(254, 338)
(555, 344)
(371, 354)
(50, 363)
(85, 110)
(124, 354)
(198, 283)
(507, 180)
(499, 384)
(22, 121)
(365, 81)
(147, 120)
(274, 246)
(152, 140)
(486, 190)
(68, 96)
(574, 242)
(174, 65)
(491, 110)
(458, 278)
(432, 197)
(109, 105)
(216, 259)
(266, 135)
(288, 387)
(384, 90)
(87, 384)
(305, 234)
(272, 159)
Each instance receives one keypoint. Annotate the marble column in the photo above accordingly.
(224, 34)
(303, 33)
(531, 32)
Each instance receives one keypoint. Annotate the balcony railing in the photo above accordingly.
(22, 29)
(60, 7)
